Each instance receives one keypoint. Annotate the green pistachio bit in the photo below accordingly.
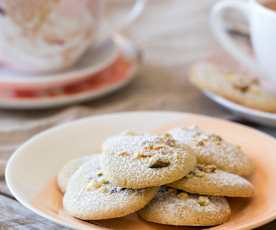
(190, 175)
(99, 173)
(104, 189)
(198, 173)
(159, 164)
(104, 181)
(203, 201)
(91, 185)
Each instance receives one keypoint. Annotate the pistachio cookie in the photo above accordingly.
(212, 149)
(179, 208)
(208, 180)
(68, 170)
(144, 160)
(238, 87)
(90, 196)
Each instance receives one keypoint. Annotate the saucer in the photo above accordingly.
(264, 118)
(94, 60)
(46, 153)
(91, 86)
(222, 71)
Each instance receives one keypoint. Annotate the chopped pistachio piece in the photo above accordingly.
(198, 173)
(242, 88)
(99, 173)
(167, 135)
(159, 163)
(206, 168)
(131, 133)
(104, 189)
(203, 201)
(201, 143)
(171, 142)
(104, 181)
(149, 148)
(140, 155)
(216, 138)
(189, 176)
(98, 184)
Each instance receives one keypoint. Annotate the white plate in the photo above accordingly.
(37, 162)
(264, 118)
(129, 51)
(94, 60)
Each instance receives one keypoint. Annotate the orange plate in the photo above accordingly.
(246, 213)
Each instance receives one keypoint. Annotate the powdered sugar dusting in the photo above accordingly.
(68, 170)
(212, 149)
(168, 208)
(104, 202)
(217, 183)
(145, 160)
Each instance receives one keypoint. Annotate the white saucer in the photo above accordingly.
(126, 50)
(93, 60)
(264, 118)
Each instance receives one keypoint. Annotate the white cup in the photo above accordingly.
(262, 27)
(50, 35)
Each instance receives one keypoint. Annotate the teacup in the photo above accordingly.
(51, 35)
(262, 21)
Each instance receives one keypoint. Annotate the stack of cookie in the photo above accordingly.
(178, 178)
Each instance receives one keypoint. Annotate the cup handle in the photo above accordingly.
(225, 40)
(118, 25)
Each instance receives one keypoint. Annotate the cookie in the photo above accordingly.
(208, 180)
(212, 149)
(237, 87)
(90, 196)
(145, 160)
(179, 208)
(68, 170)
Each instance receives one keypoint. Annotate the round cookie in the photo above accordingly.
(239, 87)
(212, 149)
(68, 170)
(179, 208)
(144, 160)
(90, 196)
(208, 180)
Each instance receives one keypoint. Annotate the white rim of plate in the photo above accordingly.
(130, 51)
(239, 108)
(67, 76)
(18, 196)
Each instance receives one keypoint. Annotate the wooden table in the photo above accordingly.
(173, 34)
